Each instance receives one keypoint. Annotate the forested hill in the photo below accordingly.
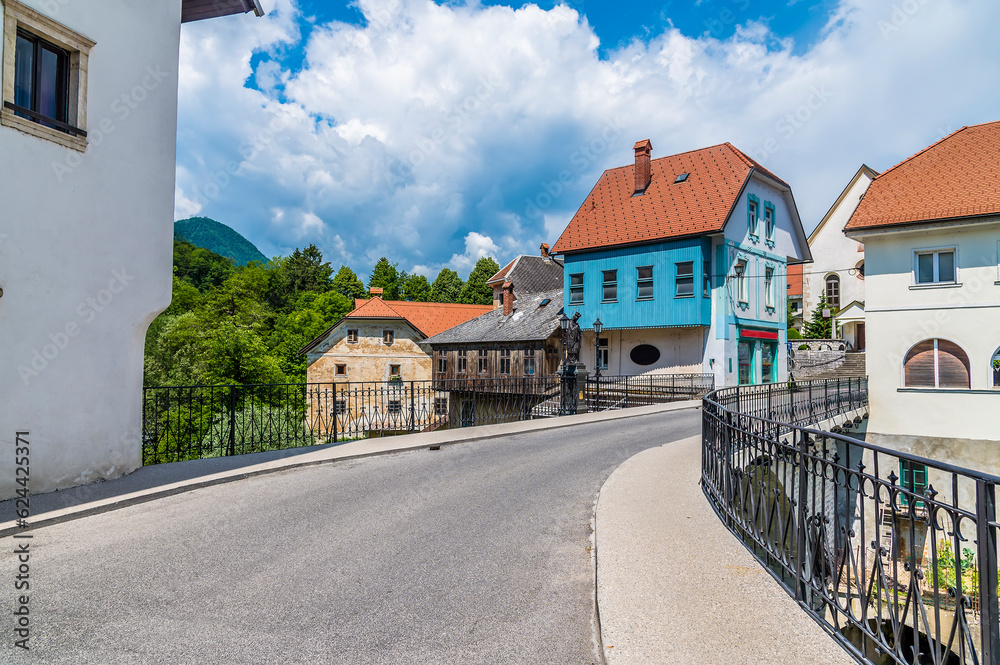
(219, 238)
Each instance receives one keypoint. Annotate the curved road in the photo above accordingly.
(477, 553)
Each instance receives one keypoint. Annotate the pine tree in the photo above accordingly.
(347, 284)
(447, 286)
(386, 277)
(819, 327)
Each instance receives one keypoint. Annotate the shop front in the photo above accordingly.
(757, 354)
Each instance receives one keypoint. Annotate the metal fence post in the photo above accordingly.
(232, 420)
(413, 410)
(800, 535)
(986, 514)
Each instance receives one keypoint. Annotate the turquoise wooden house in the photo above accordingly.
(684, 261)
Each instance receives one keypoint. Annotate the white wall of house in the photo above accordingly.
(85, 252)
(834, 253)
(959, 426)
(681, 350)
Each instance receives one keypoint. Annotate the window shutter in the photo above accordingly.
(953, 365)
(919, 366)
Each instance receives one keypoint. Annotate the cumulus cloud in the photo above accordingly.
(437, 131)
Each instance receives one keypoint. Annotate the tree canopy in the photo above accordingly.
(475, 291)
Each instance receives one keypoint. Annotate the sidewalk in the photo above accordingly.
(675, 586)
(161, 480)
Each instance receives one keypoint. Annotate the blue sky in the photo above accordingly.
(438, 133)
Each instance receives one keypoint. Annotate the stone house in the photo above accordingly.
(88, 128)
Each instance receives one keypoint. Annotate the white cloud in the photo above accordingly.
(435, 124)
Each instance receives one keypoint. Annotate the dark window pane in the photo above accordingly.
(611, 291)
(645, 290)
(685, 269)
(946, 267)
(685, 286)
(925, 268)
(24, 68)
(646, 272)
(51, 91)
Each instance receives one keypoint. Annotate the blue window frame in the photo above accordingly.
(644, 283)
(685, 279)
(576, 288)
(769, 223)
(753, 214)
(610, 286)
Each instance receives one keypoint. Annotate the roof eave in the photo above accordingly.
(199, 10)
(918, 225)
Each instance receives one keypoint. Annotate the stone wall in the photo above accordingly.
(810, 363)
(819, 345)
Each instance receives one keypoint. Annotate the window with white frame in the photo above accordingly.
(45, 77)
(388, 337)
(742, 292)
(934, 266)
(352, 336)
(769, 287)
(505, 361)
(529, 362)
(442, 362)
(753, 213)
(602, 353)
(462, 360)
(769, 223)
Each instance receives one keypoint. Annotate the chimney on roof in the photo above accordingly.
(545, 250)
(643, 149)
(508, 298)
(376, 292)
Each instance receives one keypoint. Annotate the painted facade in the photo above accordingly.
(931, 230)
(712, 302)
(838, 268)
(87, 231)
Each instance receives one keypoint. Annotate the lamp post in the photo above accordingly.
(567, 383)
(598, 326)
(564, 324)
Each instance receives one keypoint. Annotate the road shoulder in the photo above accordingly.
(674, 585)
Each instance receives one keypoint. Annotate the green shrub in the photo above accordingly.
(794, 334)
(803, 347)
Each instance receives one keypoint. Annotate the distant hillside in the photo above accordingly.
(219, 238)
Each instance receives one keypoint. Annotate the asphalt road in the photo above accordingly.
(477, 553)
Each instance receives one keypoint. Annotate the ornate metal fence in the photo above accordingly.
(192, 422)
(894, 554)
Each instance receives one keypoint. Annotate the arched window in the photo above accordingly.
(833, 291)
(996, 369)
(936, 363)
(860, 270)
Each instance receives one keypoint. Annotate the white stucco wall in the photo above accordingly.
(85, 255)
(899, 315)
(681, 350)
(835, 253)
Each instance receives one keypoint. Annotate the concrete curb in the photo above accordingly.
(344, 452)
(674, 585)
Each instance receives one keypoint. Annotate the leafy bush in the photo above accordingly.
(794, 334)
(258, 428)
(803, 347)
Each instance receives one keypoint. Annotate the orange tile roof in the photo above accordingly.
(610, 215)
(959, 176)
(430, 318)
(502, 273)
(795, 279)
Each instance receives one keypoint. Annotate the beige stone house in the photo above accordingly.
(367, 371)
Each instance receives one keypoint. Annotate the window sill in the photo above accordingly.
(936, 285)
(687, 296)
(605, 302)
(644, 299)
(968, 391)
(10, 119)
(575, 302)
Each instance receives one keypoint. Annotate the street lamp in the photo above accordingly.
(598, 326)
(564, 322)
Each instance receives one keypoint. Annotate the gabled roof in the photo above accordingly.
(794, 280)
(530, 274)
(864, 171)
(427, 318)
(611, 215)
(957, 177)
(530, 322)
(197, 10)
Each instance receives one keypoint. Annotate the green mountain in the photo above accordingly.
(219, 238)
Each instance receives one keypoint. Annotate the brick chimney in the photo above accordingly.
(545, 250)
(376, 292)
(508, 298)
(643, 149)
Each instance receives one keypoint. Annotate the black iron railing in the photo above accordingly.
(894, 554)
(192, 422)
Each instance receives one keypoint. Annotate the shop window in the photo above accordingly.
(767, 363)
(745, 355)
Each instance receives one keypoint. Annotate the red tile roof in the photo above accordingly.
(610, 215)
(502, 273)
(430, 318)
(795, 279)
(959, 176)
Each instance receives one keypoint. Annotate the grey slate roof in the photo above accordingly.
(530, 322)
(530, 274)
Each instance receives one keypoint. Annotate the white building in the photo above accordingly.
(87, 134)
(838, 268)
(931, 230)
